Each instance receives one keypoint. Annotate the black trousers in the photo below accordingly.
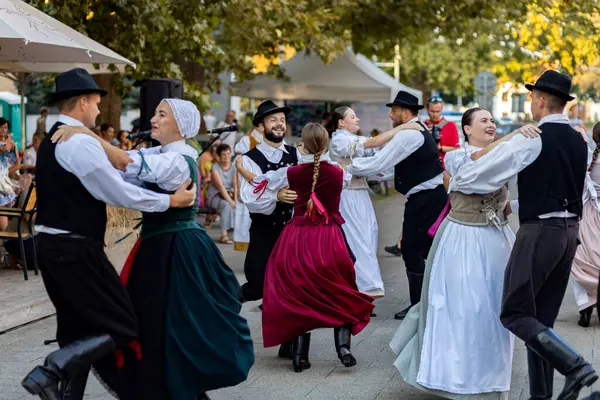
(85, 290)
(537, 275)
(263, 238)
(421, 211)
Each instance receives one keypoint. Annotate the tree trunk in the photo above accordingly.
(110, 106)
(193, 73)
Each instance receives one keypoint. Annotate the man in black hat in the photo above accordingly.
(272, 210)
(551, 170)
(418, 174)
(75, 180)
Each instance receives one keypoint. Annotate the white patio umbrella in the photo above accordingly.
(34, 42)
(29, 35)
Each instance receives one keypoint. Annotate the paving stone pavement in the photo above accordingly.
(272, 378)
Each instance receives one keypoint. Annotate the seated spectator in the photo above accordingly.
(124, 142)
(222, 191)
(205, 163)
(107, 132)
(30, 154)
(9, 167)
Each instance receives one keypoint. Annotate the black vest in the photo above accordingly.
(421, 166)
(283, 211)
(63, 202)
(555, 180)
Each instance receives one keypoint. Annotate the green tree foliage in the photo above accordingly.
(444, 43)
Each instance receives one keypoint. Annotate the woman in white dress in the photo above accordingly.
(356, 207)
(452, 343)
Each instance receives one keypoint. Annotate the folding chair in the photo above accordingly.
(24, 213)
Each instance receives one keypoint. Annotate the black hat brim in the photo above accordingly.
(415, 107)
(54, 98)
(259, 118)
(550, 90)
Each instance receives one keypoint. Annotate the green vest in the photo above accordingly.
(174, 219)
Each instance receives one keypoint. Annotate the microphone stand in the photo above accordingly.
(211, 143)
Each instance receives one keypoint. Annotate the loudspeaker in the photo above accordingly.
(152, 91)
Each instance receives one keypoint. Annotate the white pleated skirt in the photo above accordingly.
(361, 232)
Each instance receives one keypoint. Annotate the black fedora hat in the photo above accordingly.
(267, 108)
(406, 100)
(555, 83)
(75, 82)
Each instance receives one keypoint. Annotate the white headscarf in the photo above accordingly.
(186, 115)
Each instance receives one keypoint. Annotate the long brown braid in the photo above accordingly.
(316, 140)
(596, 138)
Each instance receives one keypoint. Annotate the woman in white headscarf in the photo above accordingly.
(192, 338)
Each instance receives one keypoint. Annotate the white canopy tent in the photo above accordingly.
(350, 77)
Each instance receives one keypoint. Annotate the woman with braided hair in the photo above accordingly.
(310, 281)
(586, 264)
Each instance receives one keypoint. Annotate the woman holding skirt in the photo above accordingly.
(452, 343)
(355, 205)
(586, 264)
(310, 281)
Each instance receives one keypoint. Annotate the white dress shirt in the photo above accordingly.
(490, 172)
(402, 145)
(243, 146)
(84, 157)
(266, 204)
(164, 165)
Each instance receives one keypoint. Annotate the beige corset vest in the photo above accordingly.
(479, 209)
(357, 182)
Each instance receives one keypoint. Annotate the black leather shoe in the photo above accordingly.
(301, 347)
(585, 317)
(394, 250)
(42, 382)
(341, 336)
(402, 314)
(285, 350)
(578, 373)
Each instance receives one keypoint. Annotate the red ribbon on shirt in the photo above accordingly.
(261, 187)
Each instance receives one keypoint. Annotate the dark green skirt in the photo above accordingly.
(192, 336)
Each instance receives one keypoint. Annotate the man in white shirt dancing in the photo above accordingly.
(75, 181)
(418, 174)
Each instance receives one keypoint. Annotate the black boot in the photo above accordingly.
(74, 388)
(241, 297)
(585, 316)
(301, 347)
(578, 373)
(593, 396)
(65, 364)
(541, 377)
(402, 314)
(341, 336)
(415, 283)
(285, 350)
